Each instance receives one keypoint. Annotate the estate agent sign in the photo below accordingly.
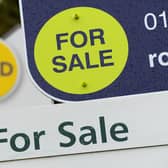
(81, 50)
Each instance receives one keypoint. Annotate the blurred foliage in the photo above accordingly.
(9, 15)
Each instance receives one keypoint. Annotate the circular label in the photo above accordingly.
(81, 50)
(8, 70)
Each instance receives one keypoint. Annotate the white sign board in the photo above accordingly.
(84, 127)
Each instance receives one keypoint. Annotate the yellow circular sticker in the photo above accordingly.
(8, 70)
(81, 50)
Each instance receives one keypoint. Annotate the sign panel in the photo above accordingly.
(83, 127)
(9, 70)
(25, 93)
(81, 50)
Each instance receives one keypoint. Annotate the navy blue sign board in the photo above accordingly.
(145, 24)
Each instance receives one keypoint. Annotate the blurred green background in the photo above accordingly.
(9, 15)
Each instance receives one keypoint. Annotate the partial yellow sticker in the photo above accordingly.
(8, 70)
(81, 50)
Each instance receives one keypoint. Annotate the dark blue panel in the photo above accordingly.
(137, 77)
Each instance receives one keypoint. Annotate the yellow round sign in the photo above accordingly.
(8, 70)
(81, 50)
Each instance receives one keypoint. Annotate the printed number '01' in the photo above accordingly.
(151, 20)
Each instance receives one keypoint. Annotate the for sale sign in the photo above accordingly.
(82, 50)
